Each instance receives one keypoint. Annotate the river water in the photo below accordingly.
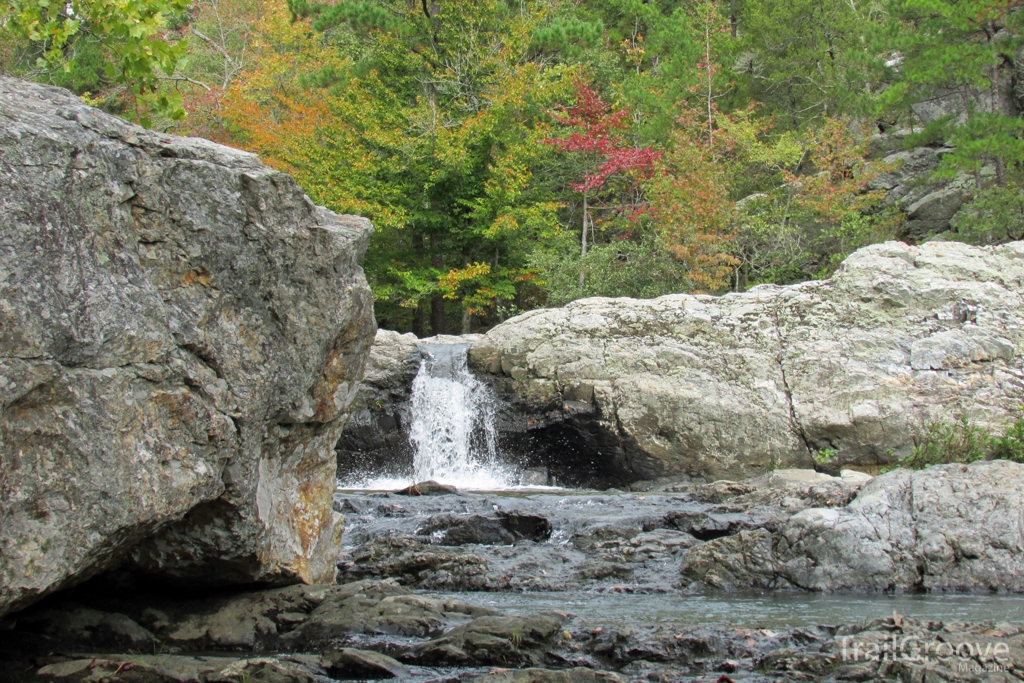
(768, 610)
(591, 529)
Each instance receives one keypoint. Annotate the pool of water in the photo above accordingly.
(752, 610)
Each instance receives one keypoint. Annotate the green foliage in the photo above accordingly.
(824, 457)
(804, 58)
(1010, 446)
(949, 48)
(995, 216)
(569, 35)
(435, 120)
(984, 137)
(635, 267)
(949, 442)
(964, 442)
(130, 32)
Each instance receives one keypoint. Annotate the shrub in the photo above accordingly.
(1010, 446)
(963, 442)
(995, 216)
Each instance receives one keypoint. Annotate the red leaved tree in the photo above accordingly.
(594, 135)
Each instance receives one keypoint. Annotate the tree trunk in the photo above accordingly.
(467, 321)
(1002, 103)
(418, 323)
(583, 251)
(707, 64)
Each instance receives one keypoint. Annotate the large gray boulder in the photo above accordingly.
(949, 527)
(727, 387)
(181, 331)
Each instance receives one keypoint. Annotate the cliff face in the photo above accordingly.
(181, 331)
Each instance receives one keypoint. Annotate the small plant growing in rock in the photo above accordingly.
(825, 456)
(946, 442)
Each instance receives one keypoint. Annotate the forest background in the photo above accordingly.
(514, 154)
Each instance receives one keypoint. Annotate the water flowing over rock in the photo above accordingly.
(453, 421)
(181, 331)
(421, 414)
(727, 387)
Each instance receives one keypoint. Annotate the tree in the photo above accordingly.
(691, 204)
(427, 121)
(804, 59)
(133, 33)
(603, 153)
(223, 35)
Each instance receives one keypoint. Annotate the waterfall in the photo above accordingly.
(453, 417)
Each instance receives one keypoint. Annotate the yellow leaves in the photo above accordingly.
(456, 276)
(750, 138)
(502, 224)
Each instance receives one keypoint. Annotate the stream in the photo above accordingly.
(608, 558)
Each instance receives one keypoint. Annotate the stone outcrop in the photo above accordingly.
(950, 527)
(727, 387)
(181, 331)
(909, 183)
(547, 541)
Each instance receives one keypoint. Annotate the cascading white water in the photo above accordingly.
(452, 429)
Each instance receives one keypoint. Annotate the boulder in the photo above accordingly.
(427, 488)
(352, 663)
(504, 528)
(949, 527)
(491, 640)
(930, 215)
(728, 387)
(181, 332)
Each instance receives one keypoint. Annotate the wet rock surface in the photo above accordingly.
(554, 540)
(380, 624)
(949, 527)
(374, 630)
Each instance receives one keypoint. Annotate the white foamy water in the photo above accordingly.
(453, 426)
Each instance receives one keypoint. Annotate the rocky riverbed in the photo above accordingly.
(424, 576)
(375, 629)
